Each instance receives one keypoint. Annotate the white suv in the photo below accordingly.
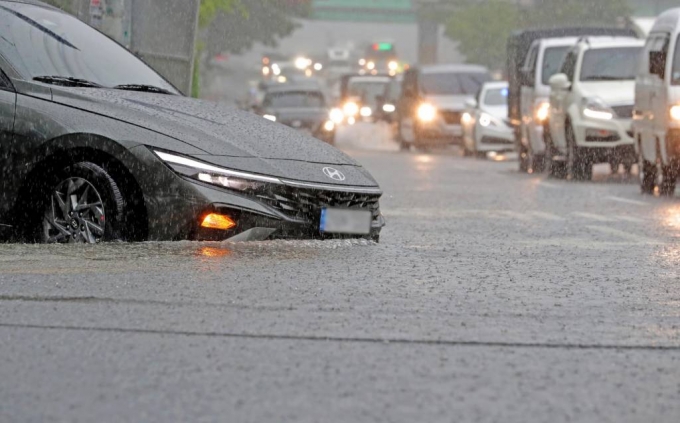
(591, 107)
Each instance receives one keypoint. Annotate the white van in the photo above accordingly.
(657, 106)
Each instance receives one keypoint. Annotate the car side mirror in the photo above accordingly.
(657, 63)
(471, 103)
(559, 81)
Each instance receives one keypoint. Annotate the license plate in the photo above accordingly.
(344, 221)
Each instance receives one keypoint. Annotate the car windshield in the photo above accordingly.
(675, 76)
(496, 97)
(295, 100)
(41, 42)
(453, 83)
(552, 60)
(610, 64)
(367, 90)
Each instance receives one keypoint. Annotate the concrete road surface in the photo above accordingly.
(492, 297)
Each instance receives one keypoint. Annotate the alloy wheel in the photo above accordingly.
(75, 213)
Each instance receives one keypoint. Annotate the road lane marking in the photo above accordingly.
(547, 216)
(593, 216)
(629, 219)
(627, 201)
(549, 185)
(624, 235)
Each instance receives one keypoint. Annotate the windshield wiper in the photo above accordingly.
(143, 88)
(66, 81)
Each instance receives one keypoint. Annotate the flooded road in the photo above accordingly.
(488, 287)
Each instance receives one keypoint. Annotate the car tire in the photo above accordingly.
(669, 176)
(647, 172)
(403, 144)
(579, 167)
(99, 210)
(614, 167)
(556, 169)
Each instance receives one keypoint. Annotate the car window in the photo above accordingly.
(365, 89)
(610, 64)
(530, 63)
(496, 97)
(552, 59)
(299, 99)
(4, 81)
(675, 73)
(42, 42)
(453, 83)
(569, 65)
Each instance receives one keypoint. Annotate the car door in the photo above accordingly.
(527, 90)
(8, 99)
(558, 102)
(659, 93)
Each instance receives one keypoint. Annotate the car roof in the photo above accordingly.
(495, 84)
(557, 41)
(668, 21)
(453, 68)
(606, 42)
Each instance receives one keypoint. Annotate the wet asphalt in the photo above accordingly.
(493, 296)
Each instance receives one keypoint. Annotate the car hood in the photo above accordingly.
(500, 112)
(214, 128)
(448, 102)
(611, 92)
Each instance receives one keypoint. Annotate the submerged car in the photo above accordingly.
(96, 146)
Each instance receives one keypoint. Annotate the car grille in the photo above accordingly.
(624, 112)
(451, 117)
(306, 204)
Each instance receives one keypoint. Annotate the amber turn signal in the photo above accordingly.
(217, 221)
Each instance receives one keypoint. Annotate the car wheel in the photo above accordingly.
(556, 168)
(85, 205)
(628, 168)
(614, 167)
(647, 172)
(669, 176)
(523, 158)
(578, 167)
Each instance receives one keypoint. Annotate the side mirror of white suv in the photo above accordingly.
(559, 81)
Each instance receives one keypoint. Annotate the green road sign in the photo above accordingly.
(364, 10)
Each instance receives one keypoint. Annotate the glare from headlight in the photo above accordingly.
(597, 114)
(336, 115)
(466, 118)
(318, 66)
(392, 65)
(543, 111)
(427, 112)
(265, 70)
(191, 167)
(366, 111)
(276, 69)
(370, 65)
(362, 62)
(389, 108)
(485, 120)
(675, 112)
(350, 108)
(329, 126)
(302, 63)
(270, 117)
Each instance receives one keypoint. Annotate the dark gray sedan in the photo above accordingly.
(96, 146)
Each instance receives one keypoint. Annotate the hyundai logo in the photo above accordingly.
(334, 174)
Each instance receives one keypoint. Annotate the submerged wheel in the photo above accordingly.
(85, 206)
(556, 168)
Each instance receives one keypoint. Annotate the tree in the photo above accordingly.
(483, 27)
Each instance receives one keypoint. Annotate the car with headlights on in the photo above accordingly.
(303, 108)
(432, 103)
(591, 107)
(96, 146)
(657, 107)
(361, 95)
(485, 123)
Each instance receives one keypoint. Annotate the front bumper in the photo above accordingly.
(440, 132)
(606, 140)
(495, 138)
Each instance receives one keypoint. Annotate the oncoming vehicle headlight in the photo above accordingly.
(336, 115)
(675, 112)
(393, 65)
(329, 126)
(485, 120)
(466, 118)
(366, 111)
(389, 108)
(427, 112)
(214, 175)
(350, 108)
(595, 108)
(542, 111)
(270, 117)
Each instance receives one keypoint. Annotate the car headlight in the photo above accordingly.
(392, 65)
(485, 120)
(205, 172)
(350, 108)
(366, 111)
(542, 111)
(466, 118)
(336, 115)
(389, 108)
(675, 112)
(370, 65)
(329, 126)
(270, 117)
(427, 112)
(595, 108)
